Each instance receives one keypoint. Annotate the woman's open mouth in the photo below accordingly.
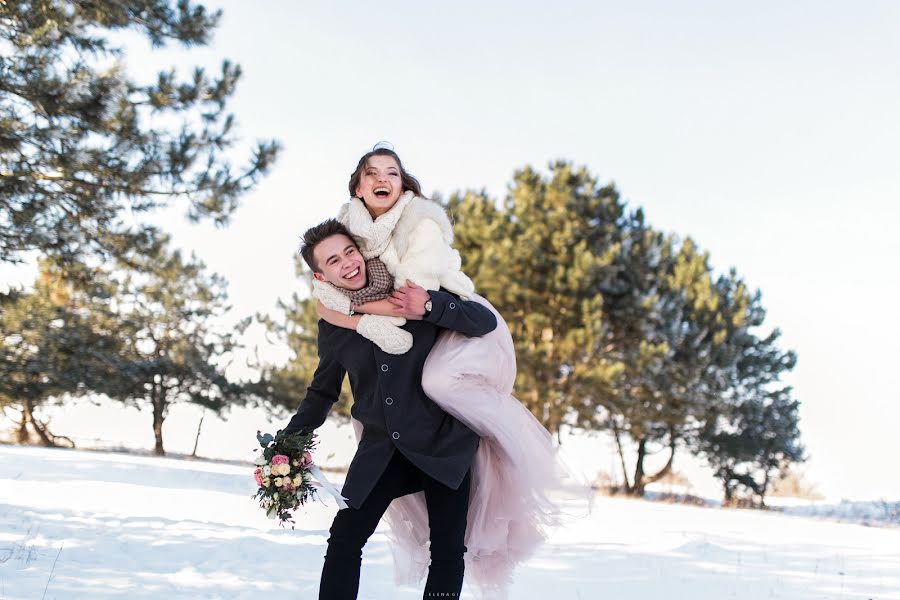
(381, 192)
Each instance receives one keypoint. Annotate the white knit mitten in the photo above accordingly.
(331, 297)
(385, 332)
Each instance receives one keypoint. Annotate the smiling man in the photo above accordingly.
(335, 258)
(409, 444)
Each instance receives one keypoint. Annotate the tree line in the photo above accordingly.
(619, 327)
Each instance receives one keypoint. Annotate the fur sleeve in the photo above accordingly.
(426, 257)
(431, 262)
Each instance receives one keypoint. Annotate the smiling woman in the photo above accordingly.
(380, 184)
(379, 179)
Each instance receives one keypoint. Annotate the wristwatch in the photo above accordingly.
(428, 307)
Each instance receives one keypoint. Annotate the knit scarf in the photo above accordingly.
(373, 236)
(379, 284)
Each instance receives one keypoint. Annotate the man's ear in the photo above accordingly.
(318, 276)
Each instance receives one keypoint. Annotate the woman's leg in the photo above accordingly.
(352, 528)
(447, 513)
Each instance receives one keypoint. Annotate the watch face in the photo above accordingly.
(428, 306)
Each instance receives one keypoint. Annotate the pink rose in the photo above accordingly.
(307, 459)
(280, 459)
(257, 475)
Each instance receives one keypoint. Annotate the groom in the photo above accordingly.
(409, 444)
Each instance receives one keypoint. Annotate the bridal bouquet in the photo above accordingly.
(283, 473)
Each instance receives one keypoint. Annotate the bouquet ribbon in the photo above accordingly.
(328, 486)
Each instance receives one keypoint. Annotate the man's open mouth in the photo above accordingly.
(352, 273)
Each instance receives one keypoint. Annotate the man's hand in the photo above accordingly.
(410, 301)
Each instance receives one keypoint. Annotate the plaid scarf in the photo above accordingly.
(379, 284)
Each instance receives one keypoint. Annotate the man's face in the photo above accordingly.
(340, 263)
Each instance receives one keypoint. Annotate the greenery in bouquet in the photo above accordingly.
(282, 473)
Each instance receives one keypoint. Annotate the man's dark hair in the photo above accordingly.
(314, 235)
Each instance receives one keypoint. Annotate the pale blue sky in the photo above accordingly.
(766, 131)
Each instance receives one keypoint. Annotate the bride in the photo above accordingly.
(472, 379)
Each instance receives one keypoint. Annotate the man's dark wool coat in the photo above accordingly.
(389, 401)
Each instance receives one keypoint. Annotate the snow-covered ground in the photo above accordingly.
(100, 525)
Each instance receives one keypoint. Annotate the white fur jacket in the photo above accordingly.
(413, 239)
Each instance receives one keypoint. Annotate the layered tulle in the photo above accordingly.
(514, 471)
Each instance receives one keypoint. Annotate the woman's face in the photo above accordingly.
(380, 185)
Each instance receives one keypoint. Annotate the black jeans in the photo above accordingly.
(447, 512)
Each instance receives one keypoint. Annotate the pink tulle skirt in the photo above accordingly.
(515, 468)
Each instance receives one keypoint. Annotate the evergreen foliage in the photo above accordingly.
(621, 327)
(540, 258)
(171, 347)
(55, 341)
(753, 434)
(83, 148)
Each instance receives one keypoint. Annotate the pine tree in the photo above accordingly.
(617, 325)
(169, 312)
(83, 148)
(647, 310)
(539, 258)
(55, 342)
(753, 433)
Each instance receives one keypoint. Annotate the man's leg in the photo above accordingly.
(447, 513)
(352, 527)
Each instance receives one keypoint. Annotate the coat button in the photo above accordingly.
(388, 400)
(395, 435)
(384, 367)
(452, 305)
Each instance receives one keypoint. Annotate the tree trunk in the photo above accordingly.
(28, 413)
(639, 482)
(22, 434)
(615, 429)
(197, 439)
(765, 488)
(159, 407)
(668, 466)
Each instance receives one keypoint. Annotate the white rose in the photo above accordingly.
(267, 470)
(260, 460)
